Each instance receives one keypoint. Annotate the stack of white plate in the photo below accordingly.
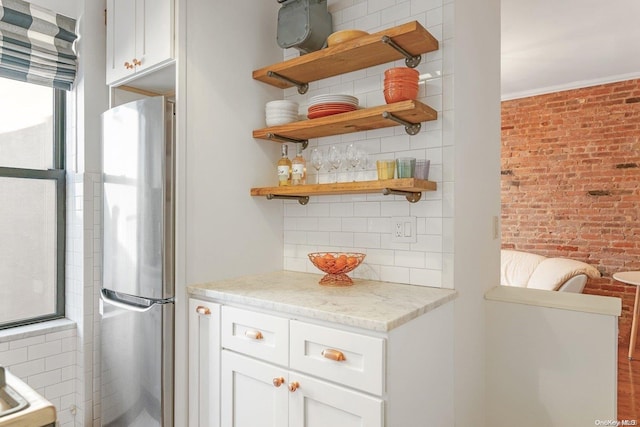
(281, 112)
(327, 105)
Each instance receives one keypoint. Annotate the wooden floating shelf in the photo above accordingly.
(352, 121)
(411, 186)
(352, 55)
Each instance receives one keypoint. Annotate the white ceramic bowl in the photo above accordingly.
(277, 121)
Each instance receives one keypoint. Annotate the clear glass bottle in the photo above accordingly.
(284, 167)
(298, 168)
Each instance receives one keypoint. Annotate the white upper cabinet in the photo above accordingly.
(140, 38)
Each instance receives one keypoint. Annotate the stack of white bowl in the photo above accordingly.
(281, 112)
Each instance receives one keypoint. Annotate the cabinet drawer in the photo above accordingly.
(255, 334)
(349, 358)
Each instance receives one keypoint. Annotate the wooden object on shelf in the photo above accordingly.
(352, 121)
(356, 54)
(412, 185)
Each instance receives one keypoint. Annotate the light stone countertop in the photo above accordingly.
(40, 411)
(368, 304)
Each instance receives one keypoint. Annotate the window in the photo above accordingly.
(32, 203)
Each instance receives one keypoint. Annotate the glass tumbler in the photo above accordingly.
(406, 167)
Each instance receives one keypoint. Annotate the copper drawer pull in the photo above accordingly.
(136, 62)
(332, 354)
(294, 386)
(202, 310)
(277, 382)
(255, 335)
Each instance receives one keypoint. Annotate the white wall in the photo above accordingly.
(476, 190)
(222, 231)
(551, 362)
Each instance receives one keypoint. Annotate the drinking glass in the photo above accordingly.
(317, 160)
(335, 159)
(352, 156)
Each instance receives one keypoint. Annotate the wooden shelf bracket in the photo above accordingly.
(303, 200)
(410, 128)
(410, 60)
(302, 87)
(276, 137)
(411, 196)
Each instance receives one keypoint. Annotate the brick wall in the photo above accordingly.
(571, 181)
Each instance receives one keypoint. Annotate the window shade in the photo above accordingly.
(36, 45)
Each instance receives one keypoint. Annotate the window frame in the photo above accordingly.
(57, 174)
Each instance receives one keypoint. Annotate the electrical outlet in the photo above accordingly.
(403, 229)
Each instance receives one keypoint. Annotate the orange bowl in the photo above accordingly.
(344, 35)
(402, 72)
(400, 93)
(336, 265)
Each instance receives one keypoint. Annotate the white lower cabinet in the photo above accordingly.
(259, 394)
(277, 370)
(204, 363)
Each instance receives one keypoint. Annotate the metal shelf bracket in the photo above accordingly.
(303, 200)
(410, 195)
(276, 137)
(302, 87)
(412, 61)
(411, 128)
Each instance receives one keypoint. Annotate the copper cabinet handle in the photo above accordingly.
(277, 382)
(293, 386)
(128, 66)
(202, 310)
(136, 62)
(332, 354)
(255, 335)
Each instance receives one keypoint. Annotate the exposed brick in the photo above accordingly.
(573, 182)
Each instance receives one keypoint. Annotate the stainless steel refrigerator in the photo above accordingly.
(137, 295)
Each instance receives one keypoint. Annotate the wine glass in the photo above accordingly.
(317, 160)
(335, 159)
(364, 163)
(352, 156)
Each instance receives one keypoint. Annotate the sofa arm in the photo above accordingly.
(552, 273)
(575, 284)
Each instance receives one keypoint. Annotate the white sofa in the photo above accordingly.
(528, 270)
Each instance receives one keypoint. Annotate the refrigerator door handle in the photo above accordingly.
(130, 307)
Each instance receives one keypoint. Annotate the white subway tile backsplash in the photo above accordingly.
(43, 350)
(60, 360)
(425, 277)
(295, 237)
(394, 274)
(380, 257)
(25, 342)
(328, 224)
(363, 222)
(355, 224)
(396, 14)
(409, 259)
(395, 208)
(44, 379)
(12, 357)
(366, 240)
(26, 369)
(341, 239)
(59, 389)
(366, 209)
(318, 238)
(341, 209)
(379, 225)
(433, 261)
